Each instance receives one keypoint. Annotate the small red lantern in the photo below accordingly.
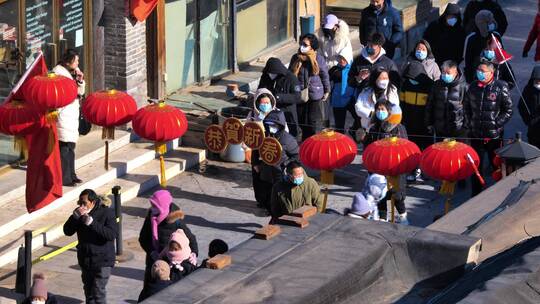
(448, 161)
(19, 119)
(50, 92)
(109, 109)
(392, 157)
(160, 123)
(327, 151)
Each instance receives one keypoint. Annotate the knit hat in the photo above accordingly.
(161, 271)
(414, 70)
(217, 246)
(360, 205)
(39, 289)
(179, 237)
(482, 20)
(161, 202)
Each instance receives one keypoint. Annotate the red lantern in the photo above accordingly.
(50, 92)
(448, 162)
(19, 119)
(160, 123)
(327, 151)
(391, 157)
(109, 109)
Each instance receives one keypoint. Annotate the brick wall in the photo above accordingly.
(125, 51)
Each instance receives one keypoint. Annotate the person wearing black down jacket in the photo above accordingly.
(529, 107)
(446, 35)
(444, 116)
(286, 89)
(96, 228)
(381, 17)
(488, 107)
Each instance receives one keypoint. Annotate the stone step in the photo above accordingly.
(89, 149)
(94, 175)
(134, 183)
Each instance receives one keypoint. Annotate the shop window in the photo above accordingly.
(262, 24)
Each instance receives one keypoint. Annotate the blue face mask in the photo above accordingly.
(421, 55)
(298, 180)
(381, 115)
(413, 82)
(491, 27)
(448, 78)
(489, 54)
(480, 75)
(265, 107)
(370, 51)
(451, 21)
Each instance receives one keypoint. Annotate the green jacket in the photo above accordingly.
(287, 197)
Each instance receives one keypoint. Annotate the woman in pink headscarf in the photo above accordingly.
(162, 220)
(178, 254)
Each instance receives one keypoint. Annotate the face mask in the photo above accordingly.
(537, 86)
(329, 33)
(304, 49)
(265, 107)
(491, 27)
(480, 75)
(448, 78)
(451, 21)
(370, 51)
(421, 55)
(273, 129)
(413, 82)
(298, 180)
(272, 76)
(382, 84)
(489, 54)
(38, 302)
(381, 115)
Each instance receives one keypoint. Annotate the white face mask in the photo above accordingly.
(304, 49)
(273, 129)
(383, 84)
(38, 302)
(537, 86)
(272, 76)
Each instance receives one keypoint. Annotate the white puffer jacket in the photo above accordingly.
(332, 48)
(365, 104)
(68, 116)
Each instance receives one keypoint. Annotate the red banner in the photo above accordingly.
(44, 172)
(141, 9)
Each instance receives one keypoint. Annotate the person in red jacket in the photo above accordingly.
(534, 34)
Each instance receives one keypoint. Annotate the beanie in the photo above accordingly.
(39, 289)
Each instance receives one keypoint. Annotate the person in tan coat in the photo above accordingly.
(294, 191)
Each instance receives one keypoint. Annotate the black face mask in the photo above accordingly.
(329, 33)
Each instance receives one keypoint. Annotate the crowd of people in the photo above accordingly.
(455, 83)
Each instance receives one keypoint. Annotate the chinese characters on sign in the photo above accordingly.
(253, 135)
(233, 130)
(270, 151)
(215, 139)
(38, 26)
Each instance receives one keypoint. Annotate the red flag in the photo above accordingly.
(141, 9)
(44, 171)
(501, 56)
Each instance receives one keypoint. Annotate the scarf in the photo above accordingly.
(345, 78)
(161, 202)
(310, 56)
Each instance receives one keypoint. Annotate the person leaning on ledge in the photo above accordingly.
(294, 191)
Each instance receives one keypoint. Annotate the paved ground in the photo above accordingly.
(220, 204)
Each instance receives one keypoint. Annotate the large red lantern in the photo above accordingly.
(160, 123)
(19, 119)
(449, 162)
(109, 109)
(392, 157)
(50, 92)
(327, 151)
